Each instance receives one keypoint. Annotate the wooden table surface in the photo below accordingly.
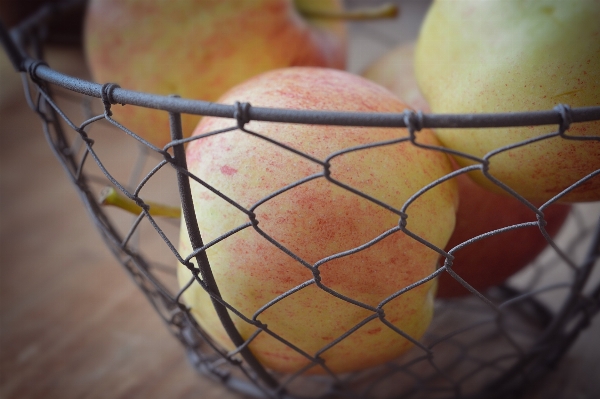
(72, 324)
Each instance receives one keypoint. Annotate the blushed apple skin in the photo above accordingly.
(491, 261)
(516, 55)
(199, 49)
(316, 220)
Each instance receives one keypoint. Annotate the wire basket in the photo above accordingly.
(486, 345)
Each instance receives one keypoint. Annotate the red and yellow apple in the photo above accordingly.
(315, 220)
(489, 261)
(477, 56)
(199, 49)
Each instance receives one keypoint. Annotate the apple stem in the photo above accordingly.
(110, 196)
(363, 14)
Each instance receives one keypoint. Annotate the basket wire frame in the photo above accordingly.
(531, 338)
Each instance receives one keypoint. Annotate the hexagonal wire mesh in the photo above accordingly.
(486, 345)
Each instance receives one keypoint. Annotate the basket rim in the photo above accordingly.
(561, 114)
(117, 95)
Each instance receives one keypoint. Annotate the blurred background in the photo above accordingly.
(72, 324)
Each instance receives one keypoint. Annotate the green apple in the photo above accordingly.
(200, 48)
(490, 261)
(315, 220)
(477, 56)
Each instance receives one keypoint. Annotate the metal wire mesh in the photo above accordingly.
(490, 344)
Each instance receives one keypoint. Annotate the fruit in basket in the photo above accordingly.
(492, 260)
(514, 55)
(395, 71)
(200, 48)
(315, 220)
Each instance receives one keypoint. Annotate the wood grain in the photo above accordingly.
(72, 323)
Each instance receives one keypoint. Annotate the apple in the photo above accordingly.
(315, 220)
(395, 71)
(490, 261)
(200, 48)
(515, 55)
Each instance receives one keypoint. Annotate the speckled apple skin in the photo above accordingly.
(199, 49)
(516, 55)
(492, 260)
(316, 220)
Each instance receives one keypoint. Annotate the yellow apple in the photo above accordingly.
(315, 220)
(477, 56)
(200, 48)
(395, 71)
(490, 261)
